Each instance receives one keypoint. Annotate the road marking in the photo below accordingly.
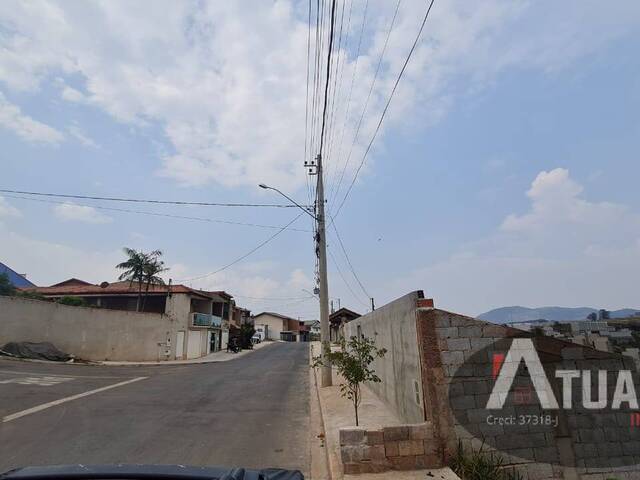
(44, 406)
(46, 381)
(20, 372)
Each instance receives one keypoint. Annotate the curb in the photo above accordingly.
(335, 471)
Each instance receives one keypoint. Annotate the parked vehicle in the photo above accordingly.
(256, 338)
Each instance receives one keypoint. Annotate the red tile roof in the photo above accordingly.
(116, 288)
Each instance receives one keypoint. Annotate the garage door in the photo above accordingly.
(193, 344)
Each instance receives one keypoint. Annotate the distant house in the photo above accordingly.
(203, 318)
(17, 279)
(314, 328)
(281, 327)
(337, 321)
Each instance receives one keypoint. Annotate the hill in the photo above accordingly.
(523, 314)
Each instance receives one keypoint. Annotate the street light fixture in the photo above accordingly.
(305, 210)
(321, 251)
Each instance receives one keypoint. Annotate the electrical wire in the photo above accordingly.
(137, 200)
(326, 85)
(348, 103)
(239, 259)
(386, 107)
(157, 214)
(366, 103)
(344, 280)
(346, 256)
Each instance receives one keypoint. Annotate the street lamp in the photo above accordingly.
(320, 238)
(306, 210)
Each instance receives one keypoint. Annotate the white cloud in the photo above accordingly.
(47, 263)
(79, 213)
(226, 81)
(8, 210)
(12, 119)
(76, 132)
(565, 250)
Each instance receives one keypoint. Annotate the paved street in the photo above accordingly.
(252, 412)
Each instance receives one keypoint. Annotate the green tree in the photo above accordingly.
(152, 268)
(353, 362)
(6, 287)
(143, 269)
(72, 301)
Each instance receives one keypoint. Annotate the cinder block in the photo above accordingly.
(539, 471)
(351, 454)
(447, 332)
(419, 432)
(475, 387)
(352, 469)
(375, 437)
(460, 344)
(480, 343)
(395, 433)
(411, 447)
(493, 331)
(472, 331)
(452, 358)
(464, 402)
(404, 463)
(391, 449)
(351, 436)
(375, 453)
(545, 454)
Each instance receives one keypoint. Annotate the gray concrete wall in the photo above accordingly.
(395, 326)
(89, 333)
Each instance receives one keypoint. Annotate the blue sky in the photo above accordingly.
(506, 171)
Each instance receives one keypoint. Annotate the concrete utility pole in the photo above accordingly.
(326, 380)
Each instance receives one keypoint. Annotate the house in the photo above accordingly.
(314, 329)
(337, 321)
(281, 327)
(18, 280)
(201, 318)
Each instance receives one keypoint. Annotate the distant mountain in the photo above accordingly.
(524, 314)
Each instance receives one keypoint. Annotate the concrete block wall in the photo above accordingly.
(401, 447)
(394, 327)
(450, 343)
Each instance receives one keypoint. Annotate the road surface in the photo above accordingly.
(251, 412)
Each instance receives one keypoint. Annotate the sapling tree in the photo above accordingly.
(353, 362)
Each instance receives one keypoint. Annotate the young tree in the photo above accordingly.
(6, 287)
(353, 362)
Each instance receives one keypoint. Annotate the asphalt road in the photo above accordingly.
(251, 412)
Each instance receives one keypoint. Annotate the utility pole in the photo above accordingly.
(326, 380)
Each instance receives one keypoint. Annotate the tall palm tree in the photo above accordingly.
(133, 270)
(152, 268)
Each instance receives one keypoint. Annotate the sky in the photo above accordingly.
(505, 171)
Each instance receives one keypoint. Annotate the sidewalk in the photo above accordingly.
(219, 356)
(337, 412)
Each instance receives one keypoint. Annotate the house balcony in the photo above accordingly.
(205, 320)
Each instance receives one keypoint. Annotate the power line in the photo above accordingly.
(326, 85)
(157, 214)
(348, 104)
(386, 107)
(346, 256)
(366, 103)
(138, 200)
(257, 247)
(269, 298)
(344, 280)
